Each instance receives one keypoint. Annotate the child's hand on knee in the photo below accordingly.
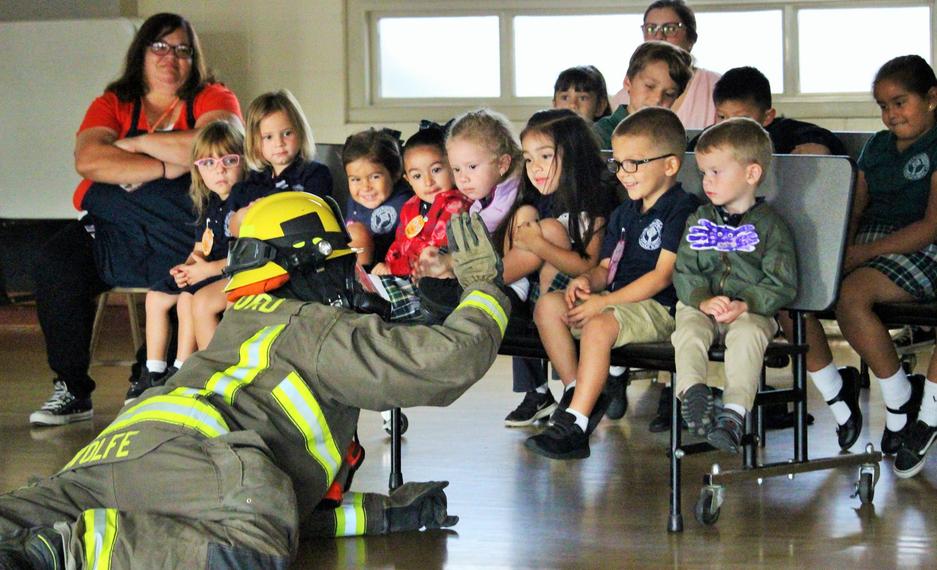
(578, 316)
(526, 236)
(577, 290)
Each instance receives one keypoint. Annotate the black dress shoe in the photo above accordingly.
(891, 440)
(848, 433)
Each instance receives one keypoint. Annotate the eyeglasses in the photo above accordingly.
(182, 51)
(631, 166)
(228, 161)
(668, 30)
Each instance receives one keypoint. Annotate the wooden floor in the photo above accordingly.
(522, 511)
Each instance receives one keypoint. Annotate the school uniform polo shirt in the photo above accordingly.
(301, 176)
(898, 182)
(645, 235)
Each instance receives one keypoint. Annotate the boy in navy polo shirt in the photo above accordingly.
(629, 297)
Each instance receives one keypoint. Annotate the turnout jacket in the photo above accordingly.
(753, 262)
(297, 374)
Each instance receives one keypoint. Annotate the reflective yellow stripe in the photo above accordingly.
(489, 305)
(175, 408)
(255, 357)
(303, 410)
(52, 550)
(99, 538)
(350, 518)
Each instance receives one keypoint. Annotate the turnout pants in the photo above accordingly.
(190, 502)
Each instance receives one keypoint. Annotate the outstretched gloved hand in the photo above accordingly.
(414, 506)
(474, 257)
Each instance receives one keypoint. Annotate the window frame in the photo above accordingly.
(365, 105)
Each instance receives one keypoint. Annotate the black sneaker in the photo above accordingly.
(726, 433)
(891, 440)
(562, 440)
(534, 407)
(169, 372)
(145, 381)
(62, 408)
(37, 549)
(661, 421)
(564, 402)
(848, 433)
(617, 389)
(598, 409)
(913, 451)
(696, 405)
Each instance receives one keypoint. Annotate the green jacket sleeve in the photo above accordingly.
(778, 287)
(367, 363)
(605, 126)
(688, 279)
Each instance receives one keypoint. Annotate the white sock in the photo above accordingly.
(829, 383)
(156, 366)
(581, 420)
(740, 410)
(928, 413)
(542, 389)
(570, 386)
(896, 391)
(616, 370)
(177, 364)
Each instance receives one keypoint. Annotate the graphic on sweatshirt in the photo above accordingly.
(707, 235)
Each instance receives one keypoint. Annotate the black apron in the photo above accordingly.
(140, 235)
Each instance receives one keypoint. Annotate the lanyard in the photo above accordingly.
(163, 117)
(616, 257)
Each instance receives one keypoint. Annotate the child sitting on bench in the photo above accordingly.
(736, 268)
(629, 296)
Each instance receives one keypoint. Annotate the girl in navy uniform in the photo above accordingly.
(279, 152)
(195, 287)
(377, 190)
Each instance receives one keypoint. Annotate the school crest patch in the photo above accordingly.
(917, 167)
(650, 239)
(383, 220)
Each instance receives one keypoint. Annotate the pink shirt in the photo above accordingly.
(502, 198)
(697, 110)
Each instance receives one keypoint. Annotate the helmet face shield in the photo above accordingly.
(248, 253)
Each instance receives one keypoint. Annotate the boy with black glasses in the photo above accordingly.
(629, 296)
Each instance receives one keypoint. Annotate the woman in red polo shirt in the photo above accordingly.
(132, 149)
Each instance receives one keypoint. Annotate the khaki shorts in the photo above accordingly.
(644, 321)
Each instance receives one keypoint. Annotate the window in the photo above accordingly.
(410, 70)
(546, 45)
(847, 46)
(763, 28)
(423, 58)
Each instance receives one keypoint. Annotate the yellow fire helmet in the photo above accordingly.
(282, 232)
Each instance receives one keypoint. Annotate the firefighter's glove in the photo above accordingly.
(414, 506)
(474, 258)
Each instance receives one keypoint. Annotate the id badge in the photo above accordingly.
(414, 227)
(208, 240)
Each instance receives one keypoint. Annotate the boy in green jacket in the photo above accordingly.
(736, 267)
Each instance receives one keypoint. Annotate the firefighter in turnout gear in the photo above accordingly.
(225, 465)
